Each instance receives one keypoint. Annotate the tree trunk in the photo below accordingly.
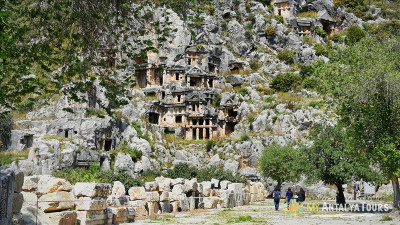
(396, 191)
(340, 197)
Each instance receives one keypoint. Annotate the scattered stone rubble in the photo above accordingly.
(60, 203)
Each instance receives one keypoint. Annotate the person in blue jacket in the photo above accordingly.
(277, 197)
(289, 195)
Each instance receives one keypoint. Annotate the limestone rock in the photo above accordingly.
(151, 186)
(152, 196)
(141, 212)
(89, 204)
(56, 201)
(118, 189)
(137, 203)
(18, 200)
(84, 189)
(19, 180)
(30, 183)
(153, 208)
(63, 218)
(137, 193)
(57, 184)
(210, 202)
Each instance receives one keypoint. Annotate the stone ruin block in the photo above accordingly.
(224, 184)
(207, 188)
(18, 200)
(99, 217)
(227, 198)
(30, 183)
(151, 186)
(210, 202)
(152, 196)
(89, 204)
(7, 179)
(153, 208)
(56, 201)
(84, 189)
(137, 193)
(215, 183)
(141, 212)
(164, 196)
(137, 203)
(175, 206)
(165, 207)
(191, 185)
(164, 184)
(118, 189)
(184, 204)
(123, 214)
(63, 218)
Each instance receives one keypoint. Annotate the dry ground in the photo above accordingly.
(264, 213)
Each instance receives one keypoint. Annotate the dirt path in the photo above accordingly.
(264, 213)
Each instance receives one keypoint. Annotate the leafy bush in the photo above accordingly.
(6, 125)
(269, 31)
(134, 153)
(354, 34)
(183, 170)
(210, 144)
(336, 37)
(264, 90)
(312, 83)
(309, 14)
(217, 100)
(306, 71)
(244, 137)
(318, 104)
(320, 49)
(136, 125)
(95, 174)
(279, 18)
(286, 55)
(269, 99)
(320, 32)
(255, 65)
(285, 82)
(243, 91)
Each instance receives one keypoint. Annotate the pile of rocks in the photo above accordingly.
(59, 202)
(11, 198)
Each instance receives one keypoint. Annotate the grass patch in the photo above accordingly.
(19, 115)
(309, 14)
(285, 97)
(60, 139)
(7, 157)
(386, 218)
(240, 219)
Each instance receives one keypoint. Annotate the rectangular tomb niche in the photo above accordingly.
(195, 82)
(154, 118)
(232, 113)
(27, 140)
(178, 119)
(230, 127)
(108, 144)
(141, 78)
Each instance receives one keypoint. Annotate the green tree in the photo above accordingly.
(282, 163)
(6, 125)
(370, 103)
(332, 159)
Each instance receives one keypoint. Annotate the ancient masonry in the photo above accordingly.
(185, 95)
(48, 200)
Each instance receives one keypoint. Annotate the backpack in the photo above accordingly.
(277, 196)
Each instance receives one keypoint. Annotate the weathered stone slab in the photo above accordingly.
(137, 203)
(123, 214)
(84, 189)
(165, 207)
(30, 183)
(17, 203)
(7, 179)
(118, 189)
(151, 186)
(191, 185)
(89, 204)
(94, 217)
(19, 180)
(210, 202)
(152, 196)
(164, 196)
(137, 193)
(153, 208)
(141, 212)
(63, 218)
(56, 201)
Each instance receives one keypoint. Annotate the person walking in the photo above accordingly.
(289, 195)
(277, 197)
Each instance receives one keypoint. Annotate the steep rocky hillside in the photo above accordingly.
(214, 94)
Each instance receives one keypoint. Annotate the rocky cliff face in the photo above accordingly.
(236, 51)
